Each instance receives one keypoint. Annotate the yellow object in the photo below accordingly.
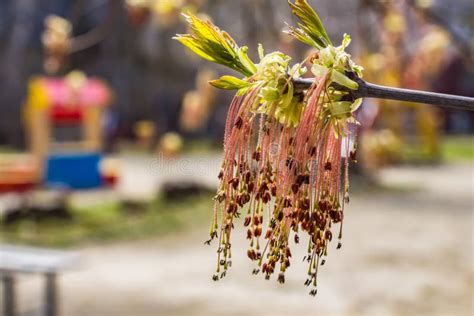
(144, 129)
(394, 22)
(138, 3)
(380, 148)
(165, 11)
(76, 79)
(37, 95)
(166, 7)
(171, 144)
(145, 132)
(424, 4)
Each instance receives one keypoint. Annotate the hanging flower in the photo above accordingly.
(282, 165)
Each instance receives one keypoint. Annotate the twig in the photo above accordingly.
(370, 90)
(96, 35)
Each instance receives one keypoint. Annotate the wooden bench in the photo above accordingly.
(25, 260)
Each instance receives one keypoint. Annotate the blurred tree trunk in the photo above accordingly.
(15, 67)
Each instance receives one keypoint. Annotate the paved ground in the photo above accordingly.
(405, 252)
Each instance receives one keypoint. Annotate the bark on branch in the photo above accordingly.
(370, 90)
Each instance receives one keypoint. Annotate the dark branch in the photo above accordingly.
(96, 35)
(370, 90)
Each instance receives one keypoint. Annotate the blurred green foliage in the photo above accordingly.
(113, 221)
(458, 148)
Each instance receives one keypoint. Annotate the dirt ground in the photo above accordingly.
(406, 251)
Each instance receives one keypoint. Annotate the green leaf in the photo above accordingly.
(302, 36)
(318, 70)
(269, 94)
(194, 45)
(297, 71)
(355, 106)
(245, 60)
(343, 80)
(346, 41)
(288, 97)
(215, 45)
(327, 56)
(261, 51)
(243, 91)
(229, 83)
(311, 23)
(296, 108)
(340, 108)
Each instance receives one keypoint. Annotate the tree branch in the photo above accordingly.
(370, 90)
(96, 35)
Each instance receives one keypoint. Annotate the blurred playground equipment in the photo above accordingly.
(72, 101)
(52, 104)
(56, 42)
(37, 184)
(170, 145)
(26, 260)
(145, 132)
(198, 104)
(18, 173)
(414, 128)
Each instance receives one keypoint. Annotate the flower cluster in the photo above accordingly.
(271, 77)
(283, 170)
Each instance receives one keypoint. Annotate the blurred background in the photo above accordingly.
(110, 146)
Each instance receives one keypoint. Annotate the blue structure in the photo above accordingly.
(74, 170)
